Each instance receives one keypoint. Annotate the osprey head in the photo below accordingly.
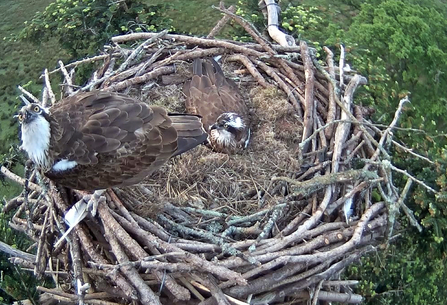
(229, 133)
(36, 132)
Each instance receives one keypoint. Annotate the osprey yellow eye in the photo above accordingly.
(36, 109)
(226, 126)
(20, 117)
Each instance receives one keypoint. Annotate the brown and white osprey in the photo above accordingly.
(220, 104)
(96, 140)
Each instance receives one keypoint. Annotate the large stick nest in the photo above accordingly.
(276, 224)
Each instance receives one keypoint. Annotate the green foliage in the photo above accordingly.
(84, 26)
(402, 275)
(400, 46)
(15, 283)
(300, 21)
(248, 10)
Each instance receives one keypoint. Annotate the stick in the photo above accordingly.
(250, 67)
(250, 30)
(235, 301)
(68, 80)
(86, 60)
(222, 22)
(5, 248)
(341, 65)
(19, 180)
(308, 94)
(49, 90)
(32, 97)
(190, 41)
(147, 296)
(332, 89)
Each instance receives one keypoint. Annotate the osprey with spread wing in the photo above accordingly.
(96, 140)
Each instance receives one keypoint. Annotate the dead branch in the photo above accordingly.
(10, 175)
(190, 41)
(222, 22)
(309, 93)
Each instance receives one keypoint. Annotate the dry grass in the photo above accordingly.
(237, 184)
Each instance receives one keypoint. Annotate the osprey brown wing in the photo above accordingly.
(116, 140)
(209, 93)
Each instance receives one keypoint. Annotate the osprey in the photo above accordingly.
(218, 101)
(96, 140)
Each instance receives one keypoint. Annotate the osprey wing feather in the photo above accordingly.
(218, 100)
(103, 139)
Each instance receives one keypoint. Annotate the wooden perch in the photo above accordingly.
(273, 13)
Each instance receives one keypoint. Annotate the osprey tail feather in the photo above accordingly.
(190, 131)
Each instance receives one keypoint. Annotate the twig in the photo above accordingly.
(358, 188)
(393, 123)
(250, 67)
(235, 301)
(80, 287)
(68, 80)
(407, 211)
(190, 41)
(340, 283)
(215, 290)
(5, 248)
(205, 265)
(41, 259)
(28, 94)
(410, 151)
(141, 79)
(137, 50)
(341, 66)
(147, 296)
(386, 164)
(319, 182)
(226, 248)
(308, 94)
(19, 180)
(282, 85)
(332, 91)
(49, 90)
(86, 60)
(222, 22)
(316, 293)
(250, 29)
(268, 227)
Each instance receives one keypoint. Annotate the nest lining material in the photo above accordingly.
(266, 226)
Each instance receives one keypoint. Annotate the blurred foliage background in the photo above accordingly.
(398, 45)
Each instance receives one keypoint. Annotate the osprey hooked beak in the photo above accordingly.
(28, 113)
(229, 132)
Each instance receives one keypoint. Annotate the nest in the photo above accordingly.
(276, 224)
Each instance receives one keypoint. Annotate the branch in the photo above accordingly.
(222, 22)
(49, 90)
(16, 253)
(28, 94)
(68, 80)
(190, 41)
(10, 175)
(308, 93)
